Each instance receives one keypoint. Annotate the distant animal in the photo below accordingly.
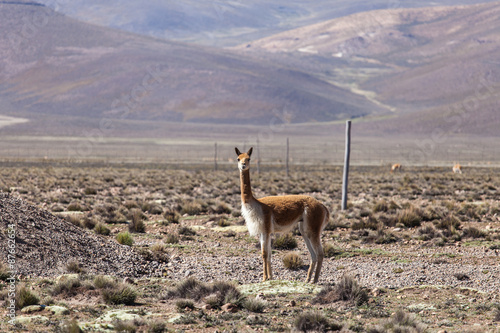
(396, 167)
(457, 168)
(279, 214)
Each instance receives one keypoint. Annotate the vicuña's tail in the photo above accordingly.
(327, 217)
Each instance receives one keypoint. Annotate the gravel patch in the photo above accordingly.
(45, 243)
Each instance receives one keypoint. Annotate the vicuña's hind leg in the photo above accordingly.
(318, 249)
(312, 252)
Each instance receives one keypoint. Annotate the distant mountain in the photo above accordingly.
(436, 68)
(65, 75)
(222, 22)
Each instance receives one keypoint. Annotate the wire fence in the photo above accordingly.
(364, 151)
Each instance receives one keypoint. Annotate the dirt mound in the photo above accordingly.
(46, 243)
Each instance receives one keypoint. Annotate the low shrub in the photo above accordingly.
(222, 222)
(159, 248)
(88, 223)
(450, 223)
(292, 261)
(152, 208)
(191, 208)
(184, 304)
(73, 266)
(369, 222)
(125, 238)
(380, 206)
(103, 282)
(186, 231)
(285, 242)
(472, 232)
(400, 322)
(90, 191)
(67, 287)
(171, 239)
(409, 217)
(427, 232)
(157, 327)
(315, 321)
(75, 220)
(24, 297)
(74, 207)
(101, 229)
(347, 289)
(121, 294)
(330, 250)
(123, 326)
(172, 216)
(256, 305)
(383, 237)
(222, 208)
(215, 294)
(4, 272)
(137, 224)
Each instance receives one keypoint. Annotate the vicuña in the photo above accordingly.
(279, 214)
(396, 167)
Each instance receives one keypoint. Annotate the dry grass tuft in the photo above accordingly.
(292, 261)
(400, 322)
(24, 297)
(347, 289)
(410, 217)
(125, 238)
(121, 294)
(285, 242)
(315, 321)
(215, 294)
(73, 266)
(101, 229)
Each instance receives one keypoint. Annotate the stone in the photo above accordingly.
(66, 277)
(230, 307)
(260, 296)
(57, 310)
(128, 280)
(32, 308)
(28, 319)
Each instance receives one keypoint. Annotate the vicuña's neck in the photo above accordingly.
(246, 189)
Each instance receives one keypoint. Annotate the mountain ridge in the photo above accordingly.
(431, 61)
(68, 68)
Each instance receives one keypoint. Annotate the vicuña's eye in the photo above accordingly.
(238, 159)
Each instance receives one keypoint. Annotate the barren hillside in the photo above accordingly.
(441, 60)
(67, 75)
(223, 22)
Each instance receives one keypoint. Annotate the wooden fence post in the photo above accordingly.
(346, 164)
(215, 157)
(258, 157)
(287, 158)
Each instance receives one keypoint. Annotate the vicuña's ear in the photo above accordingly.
(238, 152)
(250, 151)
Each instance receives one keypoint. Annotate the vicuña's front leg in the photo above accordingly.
(265, 244)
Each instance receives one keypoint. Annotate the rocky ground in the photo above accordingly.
(442, 274)
(45, 244)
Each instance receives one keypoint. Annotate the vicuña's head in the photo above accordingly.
(243, 159)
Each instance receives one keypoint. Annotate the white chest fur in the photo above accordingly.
(253, 217)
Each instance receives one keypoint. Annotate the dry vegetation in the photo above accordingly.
(182, 217)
